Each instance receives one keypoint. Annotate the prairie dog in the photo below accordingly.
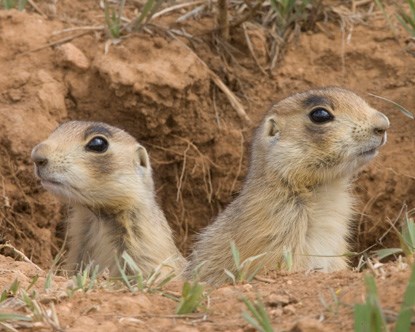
(296, 195)
(106, 178)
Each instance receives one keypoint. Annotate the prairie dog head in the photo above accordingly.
(318, 136)
(93, 164)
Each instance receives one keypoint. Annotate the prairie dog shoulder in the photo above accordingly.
(105, 176)
(296, 195)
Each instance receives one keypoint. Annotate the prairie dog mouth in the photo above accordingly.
(369, 152)
(48, 182)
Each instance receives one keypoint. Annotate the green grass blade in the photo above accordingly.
(230, 275)
(407, 310)
(383, 253)
(288, 258)
(259, 318)
(93, 278)
(192, 296)
(48, 281)
(13, 317)
(124, 277)
(4, 295)
(251, 307)
(14, 287)
(362, 317)
(412, 8)
(33, 282)
(235, 255)
(130, 262)
(266, 323)
(251, 277)
(21, 5)
(146, 10)
(166, 280)
(408, 233)
(377, 322)
(252, 321)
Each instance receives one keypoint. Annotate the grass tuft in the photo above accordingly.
(369, 316)
(407, 310)
(407, 20)
(257, 315)
(132, 276)
(192, 297)
(84, 280)
(406, 238)
(113, 18)
(242, 269)
(14, 4)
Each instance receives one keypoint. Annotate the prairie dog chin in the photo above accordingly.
(296, 194)
(105, 176)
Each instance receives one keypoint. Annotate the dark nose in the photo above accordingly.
(40, 161)
(382, 124)
(39, 156)
(379, 131)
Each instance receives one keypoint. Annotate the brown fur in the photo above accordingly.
(296, 195)
(111, 195)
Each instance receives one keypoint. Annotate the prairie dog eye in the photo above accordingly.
(97, 144)
(320, 115)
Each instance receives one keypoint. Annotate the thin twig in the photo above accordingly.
(236, 104)
(180, 182)
(58, 42)
(36, 8)
(22, 255)
(179, 6)
(251, 49)
(93, 28)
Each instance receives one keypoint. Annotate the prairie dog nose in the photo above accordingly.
(381, 124)
(39, 155)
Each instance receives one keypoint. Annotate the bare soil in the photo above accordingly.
(159, 88)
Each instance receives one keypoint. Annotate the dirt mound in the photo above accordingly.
(157, 88)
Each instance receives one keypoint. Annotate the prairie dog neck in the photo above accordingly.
(99, 236)
(312, 221)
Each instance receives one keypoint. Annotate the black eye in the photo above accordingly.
(320, 115)
(97, 144)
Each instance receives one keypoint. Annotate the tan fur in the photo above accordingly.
(296, 195)
(111, 195)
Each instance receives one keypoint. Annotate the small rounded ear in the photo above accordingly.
(143, 158)
(271, 126)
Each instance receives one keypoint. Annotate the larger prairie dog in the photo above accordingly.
(296, 195)
(106, 178)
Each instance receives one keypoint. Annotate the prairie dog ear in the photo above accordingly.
(271, 128)
(143, 159)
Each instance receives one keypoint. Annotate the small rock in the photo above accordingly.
(247, 287)
(226, 292)
(276, 312)
(308, 325)
(275, 300)
(289, 310)
(69, 55)
(15, 95)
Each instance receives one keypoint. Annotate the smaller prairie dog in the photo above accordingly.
(296, 195)
(106, 178)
